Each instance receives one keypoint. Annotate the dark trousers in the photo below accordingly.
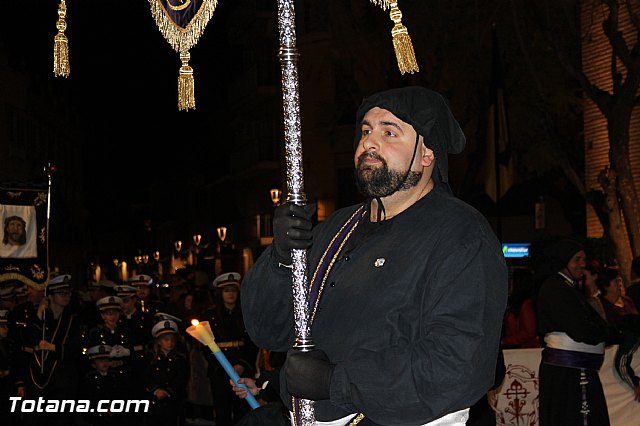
(560, 397)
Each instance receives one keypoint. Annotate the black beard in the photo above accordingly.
(382, 182)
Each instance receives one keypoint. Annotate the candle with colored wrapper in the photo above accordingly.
(201, 331)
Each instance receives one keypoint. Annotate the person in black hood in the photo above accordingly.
(574, 340)
(407, 291)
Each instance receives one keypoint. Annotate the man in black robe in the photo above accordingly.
(574, 340)
(407, 291)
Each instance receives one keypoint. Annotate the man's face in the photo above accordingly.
(384, 152)
(15, 229)
(614, 291)
(110, 317)
(128, 304)
(167, 342)
(34, 295)
(61, 298)
(576, 265)
(101, 364)
(230, 294)
(143, 292)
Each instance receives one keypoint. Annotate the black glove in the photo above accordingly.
(291, 229)
(308, 374)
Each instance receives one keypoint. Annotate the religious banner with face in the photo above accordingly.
(23, 244)
(182, 22)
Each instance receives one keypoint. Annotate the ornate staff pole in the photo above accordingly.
(49, 168)
(288, 56)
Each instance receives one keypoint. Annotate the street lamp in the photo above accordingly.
(197, 238)
(156, 257)
(222, 235)
(222, 232)
(122, 270)
(276, 194)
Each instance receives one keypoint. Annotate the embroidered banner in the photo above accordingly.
(182, 22)
(23, 248)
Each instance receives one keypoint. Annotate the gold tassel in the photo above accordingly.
(402, 42)
(384, 4)
(186, 91)
(61, 66)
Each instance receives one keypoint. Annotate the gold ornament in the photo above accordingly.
(61, 66)
(182, 22)
(402, 45)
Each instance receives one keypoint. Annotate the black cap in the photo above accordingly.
(557, 255)
(429, 114)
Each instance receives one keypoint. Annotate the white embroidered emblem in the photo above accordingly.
(379, 262)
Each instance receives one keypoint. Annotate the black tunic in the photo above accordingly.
(564, 308)
(411, 312)
(169, 372)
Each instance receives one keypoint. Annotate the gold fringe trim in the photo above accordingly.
(402, 42)
(186, 86)
(182, 39)
(61, 66)
(384, 4)
(17, 276)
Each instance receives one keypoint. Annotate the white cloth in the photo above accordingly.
(559, 340)
(458, 418)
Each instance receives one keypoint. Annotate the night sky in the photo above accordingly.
(123, 86)
(124, 79)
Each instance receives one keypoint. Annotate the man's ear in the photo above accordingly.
(428, 157)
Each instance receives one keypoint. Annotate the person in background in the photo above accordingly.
(409, 288)
(110, 332)
(101, 383)
(88, 314)
(227, 324)
(616, 305)
(570, 391)
(520, 319)
(148, 302)
(8, 299)
(633, 291)
(138, 323)
(622, 314)
(138, 326)
(9, 371)
(629, 343)
(53, 340)
(20, 317)
(590, 288)
(166, 376)
(199, 404)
